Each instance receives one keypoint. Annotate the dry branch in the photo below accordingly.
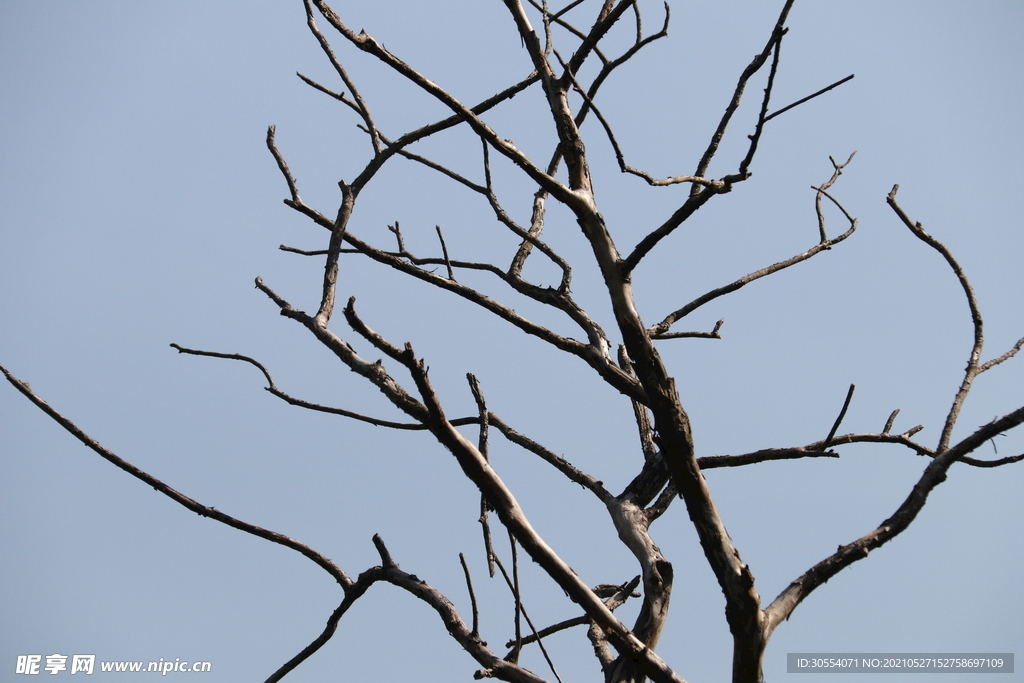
(668, 465)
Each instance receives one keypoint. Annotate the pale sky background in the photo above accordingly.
(138, 202)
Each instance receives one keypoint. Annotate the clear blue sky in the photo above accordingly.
(138, 202)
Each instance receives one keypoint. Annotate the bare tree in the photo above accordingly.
(568, 65)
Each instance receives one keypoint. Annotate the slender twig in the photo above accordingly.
(272, 388)
(481, 405)
(397, 230)
(1009, 460)
(673, 317)
(320, 640)
(615, 597)
(202, 510)
(839, 420)
(641, 414)
(488, 543)
(754, 66)
(364, 110)
(755, 138)
(809, 97)
(571, 5)
(306, 252)
(513, 655)
(444, 250)
(708, 462)
(327, 91)
(518, 599)
(472, 596)
(561, 464)
(482, 446)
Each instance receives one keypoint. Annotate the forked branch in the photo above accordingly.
(660, 330)
(846, 555)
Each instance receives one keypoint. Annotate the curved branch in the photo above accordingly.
(272, 388)
(203, 511)
(374, 372)
(972, 370)
(389, 572)
(662, 327)
(846, 555)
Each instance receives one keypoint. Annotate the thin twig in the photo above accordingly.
(839, 420)
(561, 464)
(482, 446)
(809, 97)
(518, 596)
(363, 110)
(755, 138)
(444, 250)
(712, 461)
(618, 595)
(513, 656)
(754, 66)
(304, 252)
(472, 596)
(272, 388)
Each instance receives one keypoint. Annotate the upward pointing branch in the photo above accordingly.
(973, 369)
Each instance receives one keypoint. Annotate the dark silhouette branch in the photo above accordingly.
(668, 465)
(178, 497)
(808, 98)
(839, 420)
(659, 330)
